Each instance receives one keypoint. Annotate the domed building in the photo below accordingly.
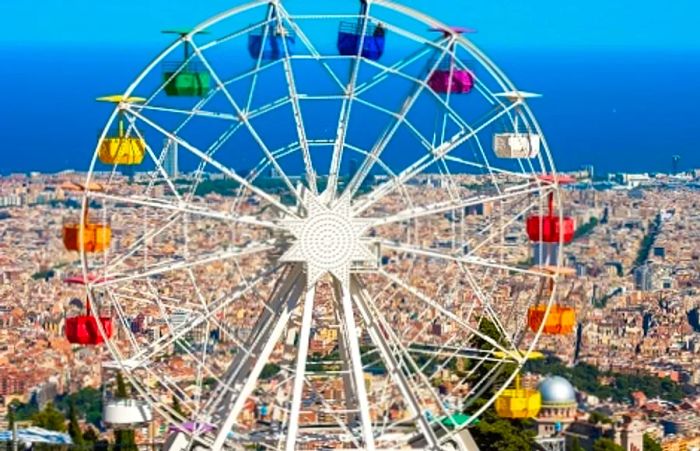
(558, 406)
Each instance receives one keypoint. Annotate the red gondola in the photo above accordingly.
(84, 329)
(551, 228)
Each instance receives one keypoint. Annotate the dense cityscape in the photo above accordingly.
(342, 226)
(633, 362)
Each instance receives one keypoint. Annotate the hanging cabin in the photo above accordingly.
(185, 78)
(119, 147)
(350, 38)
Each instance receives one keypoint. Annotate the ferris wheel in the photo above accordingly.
(348, 259)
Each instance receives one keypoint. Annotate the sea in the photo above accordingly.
(619, 111)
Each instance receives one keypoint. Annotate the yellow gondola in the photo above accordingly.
(118, 148)
(518, 402)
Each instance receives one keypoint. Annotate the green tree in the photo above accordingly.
(650, 444)
(73, 425)
(598, 418)
(121, 392)
(576, 444)
(10, 422)
(88, 402)
(496, 434)
(488, 329)
(125, 439)
(605, 444)
(50, 418)
(269, 371)
(90, 437)
(177, 407)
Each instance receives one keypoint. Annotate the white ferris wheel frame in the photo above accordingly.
(354, 296)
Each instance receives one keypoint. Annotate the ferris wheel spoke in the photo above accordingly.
(468, 260)
(309, 45)
(259, 60)
(156, 347)
(142, 242)
(460, 351)
(300, 369)
(389, 133)
(244, 373)
(298, 117)
(418, 380)
(186, 347)
(192, 112)
(183, 207)
(445, 312)
(244, 118)
(495, 230)
(394, 69)
(453, 205)
(145, 299)
(524, 174)
(121, 277)
(488, 308)
(156, 160)
(362, 300)
(221, 140)
(198, 112)
(425, 162)
(443, 103)
(203, 156)
(345, 111)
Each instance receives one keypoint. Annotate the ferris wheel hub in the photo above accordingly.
(327, 239)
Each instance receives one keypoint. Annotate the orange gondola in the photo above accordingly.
(86, 233)
(561, 319)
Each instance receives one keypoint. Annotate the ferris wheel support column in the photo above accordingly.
(360, 296)
(352, 339)
(344, 352)
(271, 316)
(299, 375)
(289, 294)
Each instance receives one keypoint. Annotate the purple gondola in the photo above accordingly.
(448, 78)
(457, 81)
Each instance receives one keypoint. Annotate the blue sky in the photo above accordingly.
(537, 24)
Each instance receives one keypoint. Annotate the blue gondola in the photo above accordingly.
(273, 44)
(350, 36)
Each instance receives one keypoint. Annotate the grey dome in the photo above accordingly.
(556, 390)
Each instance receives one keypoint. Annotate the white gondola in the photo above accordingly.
(516, 144)
(126, 413)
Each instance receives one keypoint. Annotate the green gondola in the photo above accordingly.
(185, 78)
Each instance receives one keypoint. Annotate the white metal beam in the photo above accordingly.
(299, 373)
(360, 297)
